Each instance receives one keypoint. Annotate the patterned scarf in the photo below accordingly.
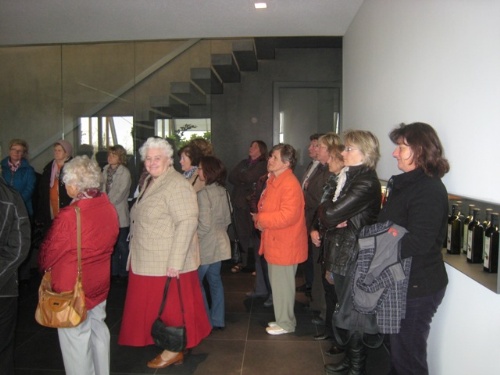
(14, 166)
(87, 194)
(190, 173)
(109, 178)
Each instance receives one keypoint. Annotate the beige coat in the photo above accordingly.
(120, 190)
(163, 224)
(212, 224)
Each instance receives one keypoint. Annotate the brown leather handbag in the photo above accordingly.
(65, 309)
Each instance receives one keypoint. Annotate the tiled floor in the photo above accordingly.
(243, 348)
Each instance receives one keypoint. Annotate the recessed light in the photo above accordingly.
(260, 5)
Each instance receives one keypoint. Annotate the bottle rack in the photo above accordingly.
(459, 261)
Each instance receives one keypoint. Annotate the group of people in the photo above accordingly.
(177, 230)
(318, 222)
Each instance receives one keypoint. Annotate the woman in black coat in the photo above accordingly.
(355, 203)
(418, 201)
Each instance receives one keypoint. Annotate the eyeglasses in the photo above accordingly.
(349, 149)
(16, 150)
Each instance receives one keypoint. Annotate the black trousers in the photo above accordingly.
(8, 319)
(409, 346)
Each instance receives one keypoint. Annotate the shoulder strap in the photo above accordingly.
(79, 240)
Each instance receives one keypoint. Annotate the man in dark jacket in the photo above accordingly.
(14, 247)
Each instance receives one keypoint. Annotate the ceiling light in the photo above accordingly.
(260, 5)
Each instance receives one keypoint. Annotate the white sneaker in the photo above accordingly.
(272, 324)
(276, 330)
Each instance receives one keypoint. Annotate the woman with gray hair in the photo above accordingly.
(355, 203)
(163, 243)
(85, 348)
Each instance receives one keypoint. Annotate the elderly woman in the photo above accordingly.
(85, 348)
(163, 243)
(116, 183)
(213, 221)
(243, 177)
(190, 158)
(18, 173)
(418, 201)
(52, 194)
(355, 203)
(284, 236)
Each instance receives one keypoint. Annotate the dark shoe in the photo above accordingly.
(159, 362)
(334, 351)
(303, 288)
(335, 368)
(237, 268)
(252, 294)
(321, 336)
(269, 301)
(318, 321)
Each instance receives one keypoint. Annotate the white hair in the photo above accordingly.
(83, 173)
(157, 143)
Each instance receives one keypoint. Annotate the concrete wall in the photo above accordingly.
(437, 62)
(245, 111)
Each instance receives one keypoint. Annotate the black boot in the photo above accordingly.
(357, 356)
(354, 360)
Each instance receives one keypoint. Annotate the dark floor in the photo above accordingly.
(243, 348)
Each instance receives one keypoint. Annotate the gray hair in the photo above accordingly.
(157, 143)
(83, 173)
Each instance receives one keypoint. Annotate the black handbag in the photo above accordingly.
(169, 338)
(235, 242)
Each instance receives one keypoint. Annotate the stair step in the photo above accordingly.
(206, 80)
(168, 106)
(244, 53)
(187, 93)
(226, 68)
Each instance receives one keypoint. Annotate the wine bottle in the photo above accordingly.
(470, 230)
(466, 222)
(477, 243)
(454, 231)
(487, 217)
(491, 236)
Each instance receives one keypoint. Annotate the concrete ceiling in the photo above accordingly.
(29, 22)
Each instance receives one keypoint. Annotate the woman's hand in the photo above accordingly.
(256, 222)
(172, 272)
(342, 224)
(315, 238)
(329, 277)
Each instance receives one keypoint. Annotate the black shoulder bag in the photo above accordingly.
(169, 338)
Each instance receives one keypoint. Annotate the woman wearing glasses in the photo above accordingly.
(355, 203)
(18, 173)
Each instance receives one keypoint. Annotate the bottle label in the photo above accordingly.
(465, 238)
(486, 253)
(448, 240)
(469, 245)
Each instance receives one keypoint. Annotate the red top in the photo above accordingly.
(99, 222)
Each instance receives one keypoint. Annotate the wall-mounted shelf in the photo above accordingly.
(459, 262)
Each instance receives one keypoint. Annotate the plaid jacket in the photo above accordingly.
(381, 276)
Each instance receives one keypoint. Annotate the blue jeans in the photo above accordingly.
(409, 346)
(216, 310)
(120, 254)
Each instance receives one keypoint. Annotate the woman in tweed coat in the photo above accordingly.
(163, 243)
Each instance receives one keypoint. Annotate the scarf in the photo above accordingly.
(109, 178)
(87, 194)
(190, 173)
(14, 166)
(342, 178)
